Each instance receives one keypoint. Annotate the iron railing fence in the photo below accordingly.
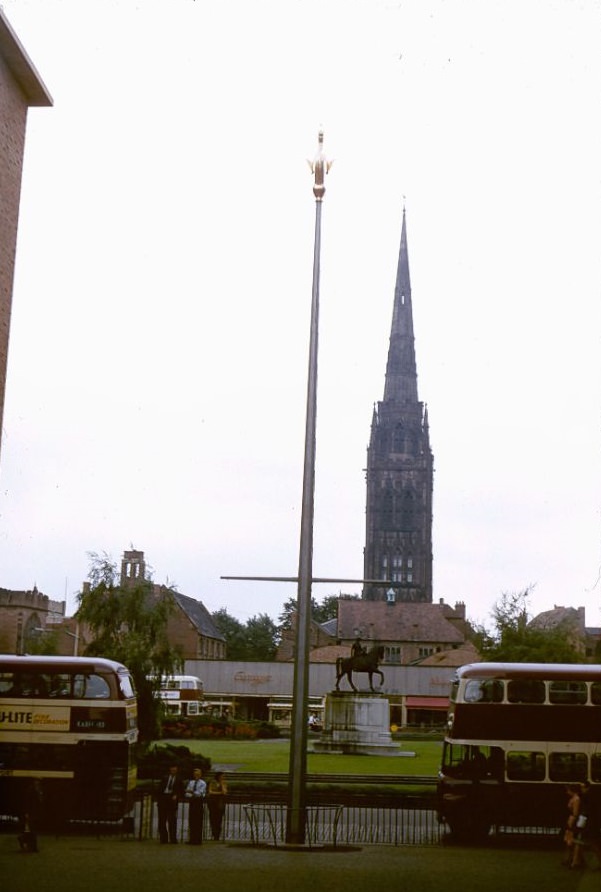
(327, 824)
(265, 824)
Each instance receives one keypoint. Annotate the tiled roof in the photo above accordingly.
(456, 656)
(330, 627)
(558, 616)
(382, 621)
(198, 614)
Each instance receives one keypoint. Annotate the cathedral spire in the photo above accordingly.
(400, 468)
(401, 372)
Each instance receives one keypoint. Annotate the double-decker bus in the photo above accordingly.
(68, 724)
(181, 694)
(517, 735)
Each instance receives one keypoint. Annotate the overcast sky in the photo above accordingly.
(159, 343)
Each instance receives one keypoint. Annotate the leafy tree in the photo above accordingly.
(320, 612)
(234, 633)
(328, 609)
(255, 640)
(128, 623)
(41, 642)
(513, 638)
(262, 637)
(288, 609)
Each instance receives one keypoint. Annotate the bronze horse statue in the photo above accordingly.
(365, 662)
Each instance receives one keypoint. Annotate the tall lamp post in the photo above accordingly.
(296, 813)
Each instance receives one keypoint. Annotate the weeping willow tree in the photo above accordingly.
(127, 621)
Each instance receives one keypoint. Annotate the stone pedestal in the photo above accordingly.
(356, 723)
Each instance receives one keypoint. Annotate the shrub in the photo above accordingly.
(207, 727)
(155, 761)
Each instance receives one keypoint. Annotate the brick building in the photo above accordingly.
(24, 617)
(409, 632)
(20, 89)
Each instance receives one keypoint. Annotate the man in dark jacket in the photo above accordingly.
(169, 794)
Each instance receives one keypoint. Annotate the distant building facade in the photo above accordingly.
(26, 617)
(400, 468)
(20, 88)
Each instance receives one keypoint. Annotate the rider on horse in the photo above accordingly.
(357, 650)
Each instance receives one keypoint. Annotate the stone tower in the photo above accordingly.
(133, 568)
(400, 468)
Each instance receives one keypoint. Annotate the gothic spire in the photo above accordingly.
(401, 373)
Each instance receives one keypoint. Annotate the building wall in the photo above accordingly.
(261, 679)
(183, 634)
(22, 615)
(12, 141)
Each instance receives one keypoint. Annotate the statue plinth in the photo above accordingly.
(356, 723)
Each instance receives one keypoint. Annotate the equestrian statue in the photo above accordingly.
(361, 660)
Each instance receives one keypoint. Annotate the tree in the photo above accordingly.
(328, 609)
(262, 637)
(320, 612)
(514, 639)
(256, 640)
(234, 633)
(129, 624)
(288, 609)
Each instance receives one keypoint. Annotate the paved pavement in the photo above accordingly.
(88, 864)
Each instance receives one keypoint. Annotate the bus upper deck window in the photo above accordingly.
(473, 691)
(59, 685)
(567, 692)
(526, 690)
(97, 688)
(487, 690)
(6, 682)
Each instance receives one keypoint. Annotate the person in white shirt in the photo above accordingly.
(196, 791)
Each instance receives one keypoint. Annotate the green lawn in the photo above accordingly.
(273, 755)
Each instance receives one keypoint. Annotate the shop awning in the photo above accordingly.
(427, 702)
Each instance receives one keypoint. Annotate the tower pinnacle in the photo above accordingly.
(401, 372)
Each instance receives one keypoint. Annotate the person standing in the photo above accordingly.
(196, 791)
(170, 791)
(573, 794)
(28, 823)
(216, 803)
(587, 833)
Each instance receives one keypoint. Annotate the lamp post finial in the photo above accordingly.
(320, 166)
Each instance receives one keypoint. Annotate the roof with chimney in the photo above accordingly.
(399, 621)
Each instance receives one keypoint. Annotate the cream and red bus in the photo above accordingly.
(517, 734)
(70, 724)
